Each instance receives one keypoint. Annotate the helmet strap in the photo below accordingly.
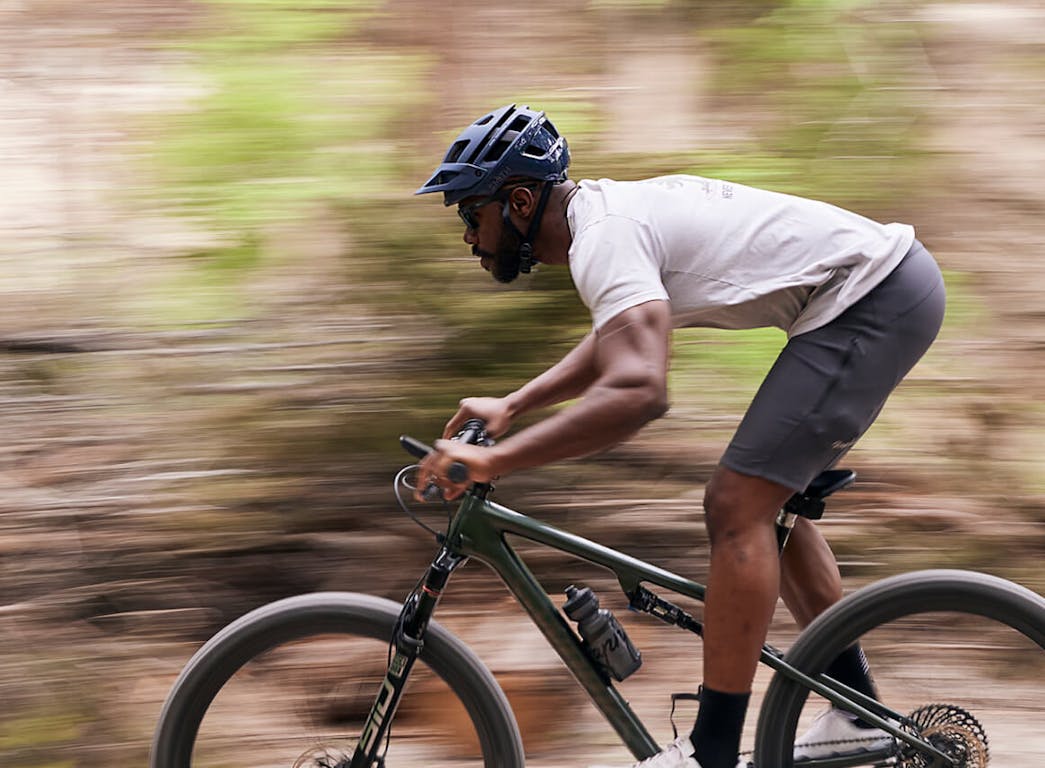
(525, 252)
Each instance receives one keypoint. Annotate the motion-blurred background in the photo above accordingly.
(220, 303)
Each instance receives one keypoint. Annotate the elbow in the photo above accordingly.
(652, 403)
(657, 407)
(635, 401)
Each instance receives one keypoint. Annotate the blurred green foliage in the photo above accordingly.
(287, 117)
(244, 26)
(839, 89)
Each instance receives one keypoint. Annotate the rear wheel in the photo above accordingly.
(290, 685)
(960, 653)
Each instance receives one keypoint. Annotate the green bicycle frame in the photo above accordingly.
(480, 529)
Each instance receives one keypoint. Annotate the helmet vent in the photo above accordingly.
(455, 151)
(446, 177)
(534, 151)
(497, 150)
(519, 123)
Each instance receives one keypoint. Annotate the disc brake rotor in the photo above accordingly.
(321, 757)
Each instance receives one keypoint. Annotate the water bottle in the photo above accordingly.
(602, 633)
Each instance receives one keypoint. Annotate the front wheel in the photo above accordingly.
(290, 684)
(960, 653)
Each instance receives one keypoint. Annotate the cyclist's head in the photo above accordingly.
(510, 143)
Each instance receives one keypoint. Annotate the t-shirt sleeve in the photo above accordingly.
(613, 266)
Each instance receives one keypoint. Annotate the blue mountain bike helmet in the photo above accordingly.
(513, 141)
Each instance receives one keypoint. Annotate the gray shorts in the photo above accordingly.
(828, 385)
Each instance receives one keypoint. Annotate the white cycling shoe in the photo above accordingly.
(835, 733)
(678, 754)
(832, 734)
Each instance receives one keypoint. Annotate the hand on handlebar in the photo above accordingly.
(436, 465)
(492, 410)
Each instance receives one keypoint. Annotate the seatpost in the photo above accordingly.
(810, 503)
(785, 522)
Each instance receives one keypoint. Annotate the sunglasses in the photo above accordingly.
(467, 212)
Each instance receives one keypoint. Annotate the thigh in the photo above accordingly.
(828, 385)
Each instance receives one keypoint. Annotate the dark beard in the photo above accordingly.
(506, 258)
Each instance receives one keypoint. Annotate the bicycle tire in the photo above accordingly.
(350, 615)
(880, 604)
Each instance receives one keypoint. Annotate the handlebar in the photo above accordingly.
(473, 433)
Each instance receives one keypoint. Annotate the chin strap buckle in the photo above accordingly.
(526, 259)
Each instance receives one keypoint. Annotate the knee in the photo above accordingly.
(737, 508)
(724, 514)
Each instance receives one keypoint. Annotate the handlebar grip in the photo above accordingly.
(471, 431)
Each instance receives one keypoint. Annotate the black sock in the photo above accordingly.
(850, 668)
(716, 734)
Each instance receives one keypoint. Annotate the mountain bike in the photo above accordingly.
(321, 680)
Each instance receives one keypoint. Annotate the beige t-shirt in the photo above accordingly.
(724, 255)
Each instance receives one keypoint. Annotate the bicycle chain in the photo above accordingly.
(951, 728)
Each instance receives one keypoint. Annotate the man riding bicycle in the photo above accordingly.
(860, 301)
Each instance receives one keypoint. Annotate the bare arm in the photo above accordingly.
(566, 379)
(627, 361)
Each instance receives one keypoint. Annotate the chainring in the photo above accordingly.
(953, 731)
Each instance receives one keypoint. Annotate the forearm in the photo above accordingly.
(623, 375)
(568, 378)
(605, 416)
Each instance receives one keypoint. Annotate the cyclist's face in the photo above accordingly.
(489, 230)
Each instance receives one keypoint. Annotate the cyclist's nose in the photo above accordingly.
(471, 236)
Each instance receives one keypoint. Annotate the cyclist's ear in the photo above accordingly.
(522, 201)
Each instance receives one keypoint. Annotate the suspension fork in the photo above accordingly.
(407, 643)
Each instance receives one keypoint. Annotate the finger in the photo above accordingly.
(454, 492)
(433, 492)
(421, 487)
(428, 489)
(426, 473)
(454, 425)
(450, 452)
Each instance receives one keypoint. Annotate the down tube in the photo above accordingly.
(480, 530)
(522, 583)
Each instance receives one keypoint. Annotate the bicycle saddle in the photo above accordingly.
(810, 503)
